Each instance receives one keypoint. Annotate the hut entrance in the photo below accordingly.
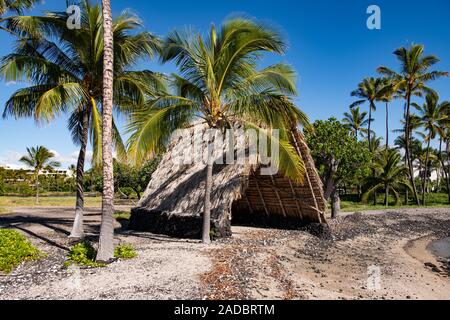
(269, 201)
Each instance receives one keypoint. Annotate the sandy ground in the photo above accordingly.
(375, 255)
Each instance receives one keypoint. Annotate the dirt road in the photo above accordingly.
(378, 255)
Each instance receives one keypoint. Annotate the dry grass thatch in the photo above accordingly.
(173, 201)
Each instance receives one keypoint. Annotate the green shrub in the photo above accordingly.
(83, 254)
(15, 249)
(122, 215)
(2, 188)
(20, 188)
(125, 251)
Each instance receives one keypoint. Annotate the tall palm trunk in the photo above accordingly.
(406, 160)
(106, 243)
(78, 225)
(386, 196)
(447, 168)
(441, 172)
(387, 125)
(425, 174)
(369, 136)
(407, 148)
(445, 174)
(37, 187)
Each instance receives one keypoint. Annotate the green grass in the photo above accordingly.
(124, 252)
(122, 215)
(84, 254)
(350, 203)
(52, 201)
(15, 248)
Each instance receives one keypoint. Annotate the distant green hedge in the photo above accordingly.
(15, 249)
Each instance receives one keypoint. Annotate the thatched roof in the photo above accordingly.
(173, 202)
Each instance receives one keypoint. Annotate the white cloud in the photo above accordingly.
(10, 159)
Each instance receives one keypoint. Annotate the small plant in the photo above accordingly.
(213, 233)
(15, 248)
(83, 254)
(125, 251)
(123, 215)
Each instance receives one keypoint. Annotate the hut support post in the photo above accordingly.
(261, 196)
(279, 198)
(299, 207)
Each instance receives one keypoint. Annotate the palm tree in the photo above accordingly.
(73, 169)
(39, 158)
(415, 73)
(13, 6)
(67, 77)
(424, 158)
(220, 84)
(356, 121)
(444, 149)
(106, 244)
(390, 175)
(389, 93)
(369, 90)
(432, 116)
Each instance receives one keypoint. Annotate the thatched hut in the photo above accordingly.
(173, 202)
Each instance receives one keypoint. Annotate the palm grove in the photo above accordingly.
(89, 74)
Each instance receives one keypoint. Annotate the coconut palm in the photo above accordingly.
(444, 149)
(39, 158)
(15, 7)
(390, 175)
(432, 116)
(411, 80)
(356, 121)
(388, 93)
(369, 90)
(424, 158)
(220, 84)
(106, 245)
(67, 77)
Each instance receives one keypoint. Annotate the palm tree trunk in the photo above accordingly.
(106, 243)
(77, 233)
(447, 168)
(206, 239)
(425, 174)
(407, 149)
(406, 189)
(386, 196)
(369, 136)
(37, 187)
(387, 125)
(441, 173)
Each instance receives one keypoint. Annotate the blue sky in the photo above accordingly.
(329, 45)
